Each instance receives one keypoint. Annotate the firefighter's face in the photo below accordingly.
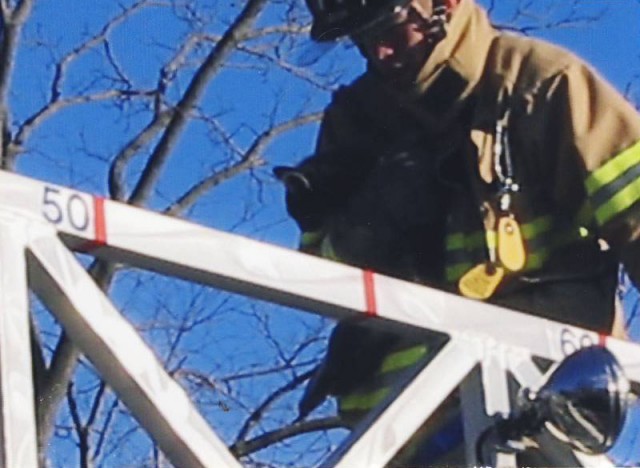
(398, 51)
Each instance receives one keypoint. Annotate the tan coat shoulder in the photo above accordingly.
(525, 63)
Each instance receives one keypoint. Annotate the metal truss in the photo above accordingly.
(42, 224)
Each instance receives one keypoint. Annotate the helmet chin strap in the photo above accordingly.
(435, 15)
(436, 18)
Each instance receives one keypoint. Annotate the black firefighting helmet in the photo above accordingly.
(333, 19)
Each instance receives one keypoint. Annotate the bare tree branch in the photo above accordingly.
(251, 159)
(99, 445)
(209, 68)
(63, 364)
(243, 448)
(56, 102)
(12, 23)
(280, 29)
(528, 17)
(59, 104)
(302, 73)
(80, 428)
(21, 11)
(117, 170)
(98, 39)
(169, 71)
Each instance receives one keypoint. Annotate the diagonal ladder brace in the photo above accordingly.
(121, 357)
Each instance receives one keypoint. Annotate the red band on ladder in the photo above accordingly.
(100, 227)
(101, 224)
(370, 293)
(602, 339)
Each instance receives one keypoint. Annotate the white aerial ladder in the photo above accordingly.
(41, 224)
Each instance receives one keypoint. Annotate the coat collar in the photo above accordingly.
(453, 70)
(464, 51)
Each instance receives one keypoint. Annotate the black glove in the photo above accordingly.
(305, 204)
(354, 354)
(322, 184)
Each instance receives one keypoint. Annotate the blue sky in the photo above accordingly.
(612, 45)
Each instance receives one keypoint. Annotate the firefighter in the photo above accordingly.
(521, 162)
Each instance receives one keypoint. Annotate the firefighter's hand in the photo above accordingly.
(305, 203)
(294, 180)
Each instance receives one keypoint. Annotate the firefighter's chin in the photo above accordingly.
(397, 74)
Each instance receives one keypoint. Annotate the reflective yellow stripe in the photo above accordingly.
(327, 251)
(402, 359)
(567, 237)
(455, 241)
(363, 401)
(318, 243)
(619, 202)
(460, 240)
(613, 169)
(455, 272)
(399, 360)
(311, 238)
(535, 258)
(536, 227)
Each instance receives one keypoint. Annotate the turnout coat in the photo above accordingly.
(421, 176)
